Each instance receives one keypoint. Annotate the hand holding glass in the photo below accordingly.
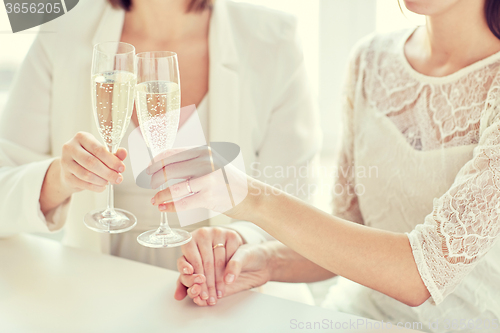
(113, 85)
(158, 102)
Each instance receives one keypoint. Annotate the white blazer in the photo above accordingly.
(259, 99)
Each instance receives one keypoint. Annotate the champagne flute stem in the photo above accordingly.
(164, 229)
(110, 209)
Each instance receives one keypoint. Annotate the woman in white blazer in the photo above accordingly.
(254, 89)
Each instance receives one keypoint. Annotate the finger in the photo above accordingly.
(181, 190)
(233, 267)
(122, 154)
(175, 191)
(220, 265)
(191, 259)
(191, 202)
(184, 267)
(197, 200)
(83, 185)
(233, 242)
(94, 147)
(162, 196)
(173, 155)
(180, 291)
(95, 165)
(194, 291)
(190, 280)
(192, 255)
(194, 168)
(210, 191)
(199, 301)
(181, 170)
(207, 255)
(85, 175)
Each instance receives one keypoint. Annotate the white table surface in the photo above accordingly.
(47, 287)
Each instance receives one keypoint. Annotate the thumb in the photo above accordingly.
(235, 265)
(180, 291)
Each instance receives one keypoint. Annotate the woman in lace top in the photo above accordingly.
(420, 173)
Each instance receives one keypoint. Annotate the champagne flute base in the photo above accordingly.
(176, 237)
(123, 221)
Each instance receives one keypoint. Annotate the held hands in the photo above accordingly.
(87, 165)
(208, 274)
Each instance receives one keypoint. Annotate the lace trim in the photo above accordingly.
(418, 255)
(431, 116)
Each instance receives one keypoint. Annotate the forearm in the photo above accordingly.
(378, 259)
(53, 192)
(249, 232)
(286, 265)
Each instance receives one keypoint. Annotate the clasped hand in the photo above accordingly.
(208, 274)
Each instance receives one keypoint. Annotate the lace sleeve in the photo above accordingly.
(345, 201)
(464, 224)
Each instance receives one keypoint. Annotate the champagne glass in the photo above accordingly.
(158, 102)
(113, 86)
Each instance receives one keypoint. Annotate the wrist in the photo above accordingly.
(55, 169)
(271, 259)
(53, 191)
(246, 210)
(258, 196)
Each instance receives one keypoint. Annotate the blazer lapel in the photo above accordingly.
(224, 96)
(111, 26)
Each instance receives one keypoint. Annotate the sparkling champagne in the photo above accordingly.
(158, 111)
(113, 101)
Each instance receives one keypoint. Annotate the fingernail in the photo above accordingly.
(204, 295)
(184, 270)
(121, 168)
(163, 207)
(211, 301)
(153, 202)
(219, 294)
(198, 280)
(119, 179)
(229, 278)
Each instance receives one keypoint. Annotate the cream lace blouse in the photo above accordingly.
(421, 155)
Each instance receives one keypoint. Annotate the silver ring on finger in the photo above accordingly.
(190, 191)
